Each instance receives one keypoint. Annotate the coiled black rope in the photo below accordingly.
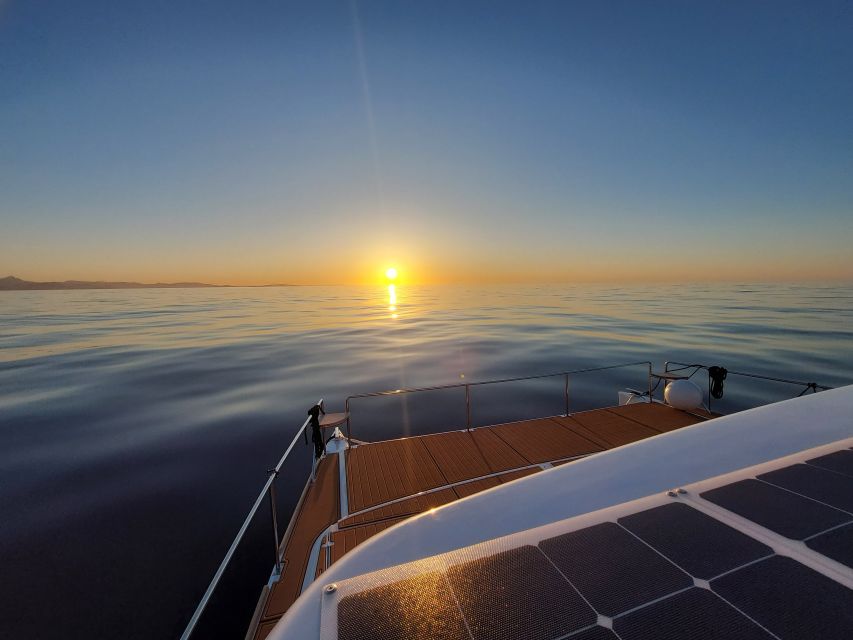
(717, 376)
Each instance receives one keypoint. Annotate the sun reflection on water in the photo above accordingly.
(392, 301)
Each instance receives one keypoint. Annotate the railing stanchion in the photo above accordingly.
(274, 511)
(650, 382)
(468, 406)
(349, 433)
(468, 385)
(709, 391)
(567, 393)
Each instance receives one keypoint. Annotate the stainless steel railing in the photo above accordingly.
(269, 492)
(672, 366)
(467, 386)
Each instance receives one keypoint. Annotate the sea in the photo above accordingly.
(137, 427)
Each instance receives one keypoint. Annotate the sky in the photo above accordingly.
(322, 142)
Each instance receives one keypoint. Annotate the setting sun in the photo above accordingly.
(391, 273)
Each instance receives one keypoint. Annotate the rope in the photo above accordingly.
(696, 368)
(716, 377)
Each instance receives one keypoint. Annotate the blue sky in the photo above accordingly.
(323, 141)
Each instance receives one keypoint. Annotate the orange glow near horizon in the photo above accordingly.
(426, 264)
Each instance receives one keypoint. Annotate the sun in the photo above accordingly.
(391, 273)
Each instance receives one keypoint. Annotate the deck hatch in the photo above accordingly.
(696, 613)
(816, 483)
(612, 569)
(786, 513)
(699, 544)
(790, 600)
(838, 461)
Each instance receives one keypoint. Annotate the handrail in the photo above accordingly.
(799, 383)
(467, 386)
(268, 488)
(814, 386)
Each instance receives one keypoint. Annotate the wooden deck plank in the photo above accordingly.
(354, 489)
(456, 455)
(429, 479)
(362, 533)
(321, 561)
(385, 471)
(264, 629)
(659, 417)
(347, 539)
(342, 541)
(410, 465)
(389, 470)
(608, 429)
(476, 486)
(318, 511)
(498, 454)
(408, 507)
(544, 439)
(375, 482)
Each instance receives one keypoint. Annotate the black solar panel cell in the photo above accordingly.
(790, 600)
(419, 607)
(595, 633)
(696, 614)
(836, 544)
(517, 594)
(839, 461)
(612, 569)
(788, 514)
(816, 483)
(699, 544)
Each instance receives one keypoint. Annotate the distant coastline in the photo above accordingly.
(11, 283)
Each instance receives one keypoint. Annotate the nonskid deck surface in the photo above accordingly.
(390, 481)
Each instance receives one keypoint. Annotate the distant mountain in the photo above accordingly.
(11, 283)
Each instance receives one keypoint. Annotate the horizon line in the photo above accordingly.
(191, 284)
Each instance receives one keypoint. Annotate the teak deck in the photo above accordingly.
(388, 482)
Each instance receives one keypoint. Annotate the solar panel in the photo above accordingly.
(838, 461)
(836, 544)
(595, 633)
(674, 568)
(696, 614)
(418, 607)
(612, 569)
(517, 594)
(816, 483)
(786, 513)
(790, 600)
(699, 544)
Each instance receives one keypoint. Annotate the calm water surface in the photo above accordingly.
(136, 426)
